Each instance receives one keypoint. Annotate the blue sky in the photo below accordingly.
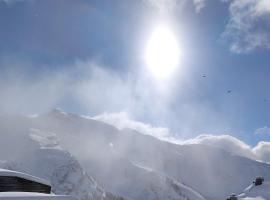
(86, 57)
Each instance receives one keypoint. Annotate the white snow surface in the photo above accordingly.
(75, 154)
(39, 154)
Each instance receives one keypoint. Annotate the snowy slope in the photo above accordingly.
(131, 164)
(137, 182)
(38, 153)
(260, 192)
(39, 139)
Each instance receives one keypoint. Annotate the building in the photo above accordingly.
(20, 182)
(20, 186)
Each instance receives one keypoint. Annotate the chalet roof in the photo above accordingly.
(10, 173)
(33, 196)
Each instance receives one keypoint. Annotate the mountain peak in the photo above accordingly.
(57, 112)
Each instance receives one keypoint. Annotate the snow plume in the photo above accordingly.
(80, 86)
(85, 86)
(45, 139)
(226, 142)
(235, 146)
(248, 27)
(262, 150)
(122, 120)
(26, 90)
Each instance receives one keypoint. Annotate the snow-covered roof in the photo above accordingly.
(32, 195)
(5, 172)
(22, 194)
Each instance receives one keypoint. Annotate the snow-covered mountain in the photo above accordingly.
(39, 153)
(126, 163)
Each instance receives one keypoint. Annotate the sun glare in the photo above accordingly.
(162, 52)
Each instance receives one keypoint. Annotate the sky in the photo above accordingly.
(89, 57)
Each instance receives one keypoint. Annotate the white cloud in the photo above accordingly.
(168, 5)
(262, 7)
(262, 131)
(12, 1)
(248, 27)
(163, 5)
(199, 5)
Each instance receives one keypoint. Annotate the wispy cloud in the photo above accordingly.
(199, 5)
(169, 5)
(262, 131)
(248, 27)
(164, 5)
(12, 1)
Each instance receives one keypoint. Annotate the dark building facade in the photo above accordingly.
(18, 184)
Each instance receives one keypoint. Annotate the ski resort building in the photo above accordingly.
(11, 181)
(20, 186)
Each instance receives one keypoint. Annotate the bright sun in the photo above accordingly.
(162, 52)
